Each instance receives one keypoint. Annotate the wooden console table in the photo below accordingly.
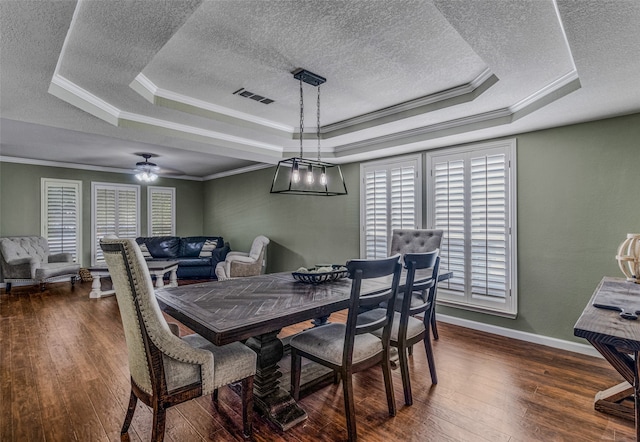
(156, 268)
(618, 340)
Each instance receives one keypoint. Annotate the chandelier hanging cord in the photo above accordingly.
(318, 124)
(301, 117)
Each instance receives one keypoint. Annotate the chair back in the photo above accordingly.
(359, 270)
(405, 241)
(144, 325)
(425, 287)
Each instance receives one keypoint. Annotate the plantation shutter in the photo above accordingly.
(161, 202)
(376, 214)
(449, 211)
(115, 213)
(488, 226)
(390, 200)
(471, 200)
(61, 216)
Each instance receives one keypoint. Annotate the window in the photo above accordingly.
(161, 212)
(471, 196)
(61, 220)
(390, 198)
(115, 212)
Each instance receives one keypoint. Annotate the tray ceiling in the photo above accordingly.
(402, 75)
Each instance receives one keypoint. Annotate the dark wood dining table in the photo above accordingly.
(254, 310)
(616, 335)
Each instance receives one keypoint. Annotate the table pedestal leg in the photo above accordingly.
(636, 392)
(173, 278)
(270, 399)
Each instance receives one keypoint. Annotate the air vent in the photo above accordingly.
(244, 93)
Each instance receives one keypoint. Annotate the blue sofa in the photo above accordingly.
(193, 261)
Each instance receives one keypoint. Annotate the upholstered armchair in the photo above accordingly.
(238, 264)
(26, 260)
(166, 369)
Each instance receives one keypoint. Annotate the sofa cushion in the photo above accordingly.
(190, 246)
(163, 246)
(191, 262)
(220, 253)
(208, 247)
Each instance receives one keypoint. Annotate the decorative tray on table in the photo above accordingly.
(320, 274)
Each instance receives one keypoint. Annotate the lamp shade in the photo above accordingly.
(285, 181)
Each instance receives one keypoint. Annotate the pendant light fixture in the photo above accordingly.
(303, 176)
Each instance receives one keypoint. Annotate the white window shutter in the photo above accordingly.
(391, 198)
(61, 216)
(161, 211)
(115, 212)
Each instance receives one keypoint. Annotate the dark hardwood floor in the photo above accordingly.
(64, 377)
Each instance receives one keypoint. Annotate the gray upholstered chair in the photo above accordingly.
(417, 241)
(165, 369)
(26, 260)
(351, 347)
(408, 330)
(239, 264)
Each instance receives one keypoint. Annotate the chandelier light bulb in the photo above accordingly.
(310, 174)
(295, 173)
(323, 176)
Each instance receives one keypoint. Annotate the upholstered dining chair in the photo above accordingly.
(408, 330)
(417, 241)
(351, 347)
(165, 369)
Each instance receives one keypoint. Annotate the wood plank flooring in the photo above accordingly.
(64, 377)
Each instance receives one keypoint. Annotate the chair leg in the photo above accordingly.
(429, 350)
(404, 370)
(410, 350)
(214, 397)
(159, 418)
(349, 407)
(7, 287)
(434, 327)
(388, 383)
(42, 286)
(73, 281)
(296, 367)
(124, 433)
(247, 406)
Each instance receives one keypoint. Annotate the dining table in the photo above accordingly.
(254, 310)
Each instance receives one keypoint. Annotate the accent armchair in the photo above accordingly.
(238, 264)
(26, 260)
(166, 369)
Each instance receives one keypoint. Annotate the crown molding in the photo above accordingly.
(428, 103)
(547, 94)
(48, 163)
(75, 95)
(170, 99)
(237, 171)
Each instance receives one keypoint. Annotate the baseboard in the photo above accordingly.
(575, 347)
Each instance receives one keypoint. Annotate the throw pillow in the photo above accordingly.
(145, 251)
(208, 248)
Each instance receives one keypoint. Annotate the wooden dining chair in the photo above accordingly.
(165, 369)
(417, 298)
(405, 241)
(351, 347)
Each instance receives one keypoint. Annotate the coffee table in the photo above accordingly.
(156, 268)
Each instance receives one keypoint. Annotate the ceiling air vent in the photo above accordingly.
(244, 93)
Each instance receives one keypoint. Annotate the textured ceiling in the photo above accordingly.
(95, 82)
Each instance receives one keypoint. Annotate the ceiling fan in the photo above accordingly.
(145, 170)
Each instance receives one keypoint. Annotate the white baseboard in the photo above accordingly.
(575, 347)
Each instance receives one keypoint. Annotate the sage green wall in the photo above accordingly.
(578, 197)
(304, 230)
(20, 200)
